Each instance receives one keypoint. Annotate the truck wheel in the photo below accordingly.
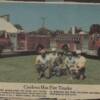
(1, 49)
(39, 47)
(98, 52)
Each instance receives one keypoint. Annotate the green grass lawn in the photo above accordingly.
(22, 69)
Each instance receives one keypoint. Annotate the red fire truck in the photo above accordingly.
(94, 40)
(22, 42)
(31, 42)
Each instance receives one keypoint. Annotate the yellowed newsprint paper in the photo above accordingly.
(49, 51)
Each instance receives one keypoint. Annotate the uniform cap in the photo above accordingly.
(53, 49)
(42, 51)
(78, 52)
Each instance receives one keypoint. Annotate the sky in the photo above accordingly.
(57, 16)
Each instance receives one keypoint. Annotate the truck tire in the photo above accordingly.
(98, 52)
(1, 49)
(39, 47)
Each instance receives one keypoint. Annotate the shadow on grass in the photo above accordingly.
(15, 54)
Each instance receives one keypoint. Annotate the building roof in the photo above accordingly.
(7, 26)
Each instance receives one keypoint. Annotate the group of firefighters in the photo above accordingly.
(58, 63)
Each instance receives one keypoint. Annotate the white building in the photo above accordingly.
(8, 28)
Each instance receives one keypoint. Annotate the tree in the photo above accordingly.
(94, 29)
(59, 32)
(18, 26)
(44, 31)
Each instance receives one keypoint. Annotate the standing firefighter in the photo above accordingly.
(81, 65)
(41, 63)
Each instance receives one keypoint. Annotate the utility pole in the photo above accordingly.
(43, 21)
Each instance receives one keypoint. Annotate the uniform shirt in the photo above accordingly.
(52, 57)
(41, 60)
(69, 62)
(81, 62)
(60, 62)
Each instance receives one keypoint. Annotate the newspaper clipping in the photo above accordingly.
(49, 51)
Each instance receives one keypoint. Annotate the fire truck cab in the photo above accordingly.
(5, 42)
(94, 39)
(94, 43)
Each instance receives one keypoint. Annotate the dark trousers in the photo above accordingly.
(41, 69)
(81, 73)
